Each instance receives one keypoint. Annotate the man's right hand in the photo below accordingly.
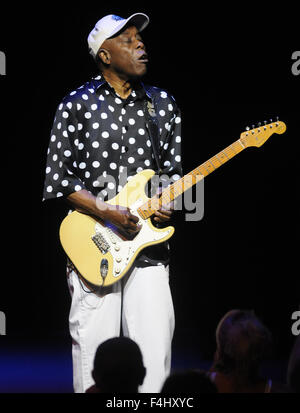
(122, 218)
(119, 216)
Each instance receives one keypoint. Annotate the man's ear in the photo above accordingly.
(104, 56)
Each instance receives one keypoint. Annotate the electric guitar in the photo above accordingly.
(102, 254)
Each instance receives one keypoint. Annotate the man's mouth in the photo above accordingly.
(143, 58)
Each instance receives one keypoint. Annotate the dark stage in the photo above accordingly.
(227, 70)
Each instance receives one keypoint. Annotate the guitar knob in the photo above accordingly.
(117, 248)
(117, 270)
(118, 259)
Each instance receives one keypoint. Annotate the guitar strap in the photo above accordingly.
(153, 129)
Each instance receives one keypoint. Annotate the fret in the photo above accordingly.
(224, 153)
(210, 161)
(215, 158)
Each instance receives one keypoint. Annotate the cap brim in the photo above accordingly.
(139, 20)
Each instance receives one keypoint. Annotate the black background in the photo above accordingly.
(228, 68)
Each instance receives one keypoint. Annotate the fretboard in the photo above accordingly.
(190, 179)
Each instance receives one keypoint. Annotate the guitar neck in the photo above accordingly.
(190, 179)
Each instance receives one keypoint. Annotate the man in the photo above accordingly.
(100, 138)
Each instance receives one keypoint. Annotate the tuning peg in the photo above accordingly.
(253, 126)
(271, 120)
(259, 124)
(265, 122)
(277, 118)
(247, 128)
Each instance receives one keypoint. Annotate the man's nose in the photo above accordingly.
(141, 45)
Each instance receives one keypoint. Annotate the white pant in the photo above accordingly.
(147, 318)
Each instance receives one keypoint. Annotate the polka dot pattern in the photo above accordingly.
(99, 141)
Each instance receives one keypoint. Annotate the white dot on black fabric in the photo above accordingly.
(96, 125)
(94, 106)
(65, 183)
(65, 115)
(96, 164)
(131, 160)
(87, 115)
(95, 144)
(67, 153)
(114, 126)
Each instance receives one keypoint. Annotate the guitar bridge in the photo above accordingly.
(101, 243)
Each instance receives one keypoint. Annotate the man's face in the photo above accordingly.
(127, 53)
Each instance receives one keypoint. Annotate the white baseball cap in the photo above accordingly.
(110, 25)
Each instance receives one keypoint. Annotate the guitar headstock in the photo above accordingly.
(259, 135)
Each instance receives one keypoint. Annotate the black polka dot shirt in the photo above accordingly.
(98, 140)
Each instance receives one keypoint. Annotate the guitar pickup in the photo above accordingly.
(101, 243)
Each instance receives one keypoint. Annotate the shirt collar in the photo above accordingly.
(100, 81)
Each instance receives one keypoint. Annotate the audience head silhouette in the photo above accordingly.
(189, 382)
(243, 342)
(118, 366)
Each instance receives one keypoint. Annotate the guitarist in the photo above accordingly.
(104, 132)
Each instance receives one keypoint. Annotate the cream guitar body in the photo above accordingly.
(101, 254)
(90, 243)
